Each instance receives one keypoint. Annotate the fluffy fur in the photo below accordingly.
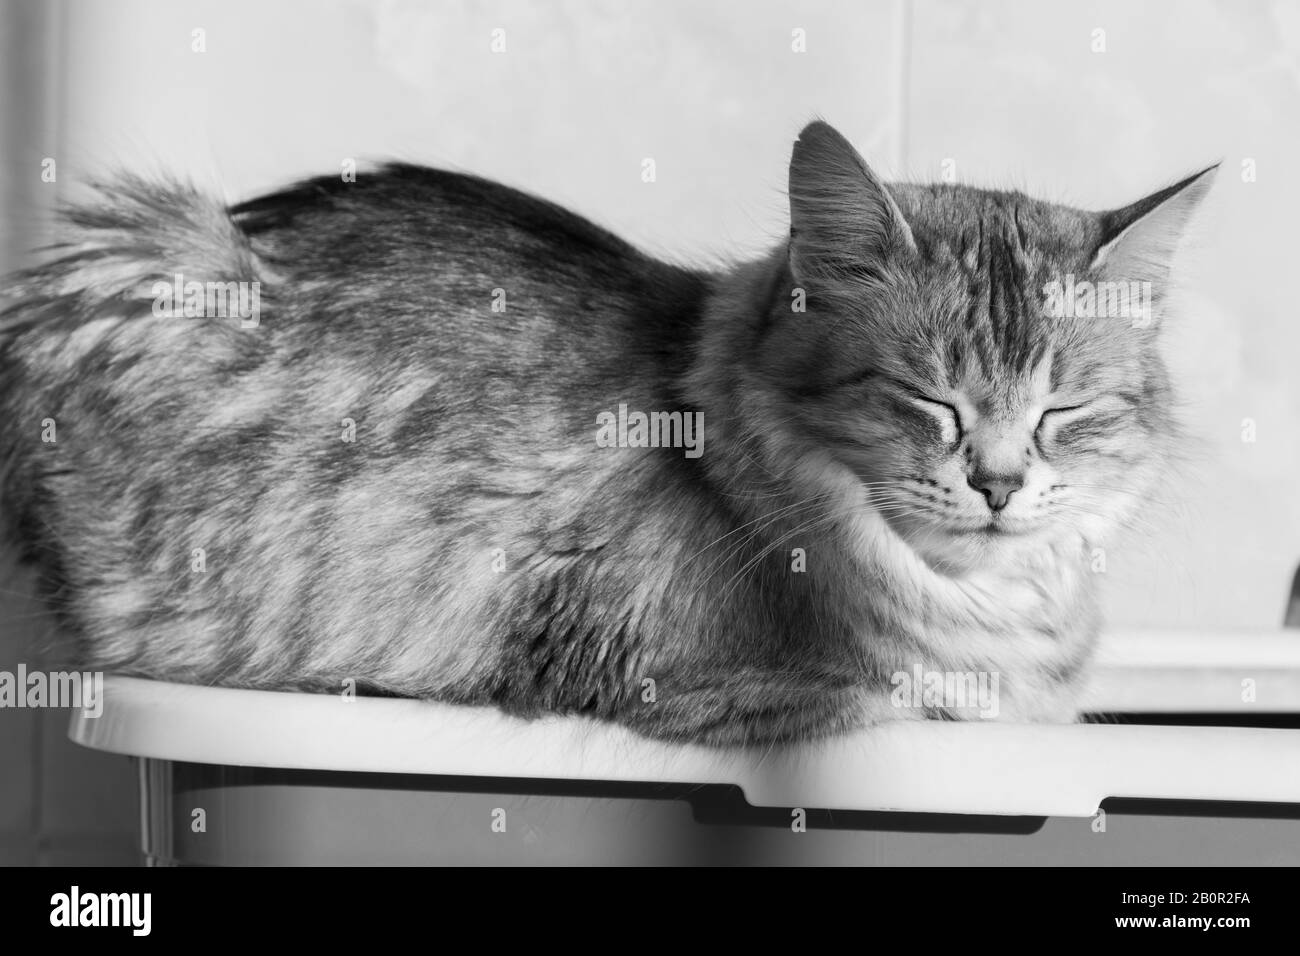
(475, 544)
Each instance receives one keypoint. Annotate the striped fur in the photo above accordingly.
(474, 544)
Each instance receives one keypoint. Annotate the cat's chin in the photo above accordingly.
(957, 550)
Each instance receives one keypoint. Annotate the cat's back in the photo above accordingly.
(446, 242)
(414, 280)
(426, 368)
(406, 208)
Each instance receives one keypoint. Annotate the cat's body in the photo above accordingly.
(393, 478)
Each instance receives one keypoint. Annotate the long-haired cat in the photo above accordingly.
(443, 439)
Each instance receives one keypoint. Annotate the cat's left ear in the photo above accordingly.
(843, 221)
(1138, 242)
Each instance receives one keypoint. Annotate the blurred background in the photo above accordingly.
(1091, 103)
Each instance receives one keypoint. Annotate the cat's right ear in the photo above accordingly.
(842, 219)
(1138, 242)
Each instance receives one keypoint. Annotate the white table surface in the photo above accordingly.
(926, 766)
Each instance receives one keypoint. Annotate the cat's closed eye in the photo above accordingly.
(1052, 421)
(1061, 413)
(949, 419)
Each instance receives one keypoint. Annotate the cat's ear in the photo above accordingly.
(1138, 242)
(842, 219)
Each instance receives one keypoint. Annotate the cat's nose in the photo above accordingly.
(996, 489)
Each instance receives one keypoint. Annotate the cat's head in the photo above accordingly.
(986, 364)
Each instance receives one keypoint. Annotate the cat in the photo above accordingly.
(446, 440)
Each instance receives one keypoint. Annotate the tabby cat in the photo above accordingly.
(442, 439)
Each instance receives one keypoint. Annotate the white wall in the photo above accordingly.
(1012, 92)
